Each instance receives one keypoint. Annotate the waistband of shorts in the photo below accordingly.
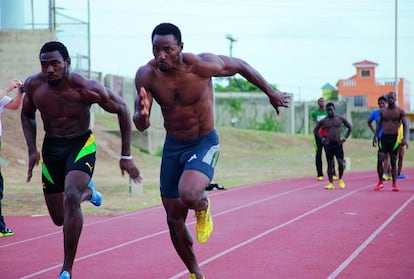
(390, 135)
(212, 133)
(63, 139)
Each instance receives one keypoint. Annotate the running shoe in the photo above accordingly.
(401, 176)
(96, 198)
(193, 276)
(320, 178)
(330, 186)
(213, 186)
(204, 225)
(6, 232)
(379, 186)
(64, 275)
(394, 188)
(341, 183)
(386, 177)
(334, 177)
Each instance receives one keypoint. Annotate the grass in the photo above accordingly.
(246, 157)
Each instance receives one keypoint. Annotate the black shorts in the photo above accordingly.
(62, 155)
(334, 149)
(388, 144)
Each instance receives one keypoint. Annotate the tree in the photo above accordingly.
(235, 84)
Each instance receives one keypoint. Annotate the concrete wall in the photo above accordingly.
(152, 139)
(19, 52)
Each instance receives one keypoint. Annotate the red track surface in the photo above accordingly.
(282, 229)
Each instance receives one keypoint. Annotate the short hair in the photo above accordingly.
(387, 96)
(54, 45)
(328, 105)
(382, 98)
(167, 29)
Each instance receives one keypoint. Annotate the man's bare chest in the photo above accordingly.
(180, 93)
(391, 115)
(60, 103)
(332, 122)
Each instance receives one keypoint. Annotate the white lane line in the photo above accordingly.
(153, 235)
(59, 231)
(368, 240)
(252, 239)
(50, 268)
(142, 211)
(221, 213)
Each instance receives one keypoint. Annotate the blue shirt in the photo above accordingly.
(374, 116)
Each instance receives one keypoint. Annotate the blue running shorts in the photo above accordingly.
(199, 154)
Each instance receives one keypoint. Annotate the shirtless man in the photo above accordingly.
(317, 115)
(374, 117)
(181, 83)
(64, 100)
(333, 142)
(391, 117)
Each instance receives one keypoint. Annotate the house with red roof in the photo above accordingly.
(363, 88)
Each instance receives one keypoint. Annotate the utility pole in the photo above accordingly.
(232, 40)
(396, 48)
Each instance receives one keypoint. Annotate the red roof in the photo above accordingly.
(365, 63)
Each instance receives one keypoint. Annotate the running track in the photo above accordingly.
(282, 229)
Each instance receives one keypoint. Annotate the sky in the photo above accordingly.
(298, 45)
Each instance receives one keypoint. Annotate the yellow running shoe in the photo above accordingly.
(334, 177)
(6, 232)
(320, 178)
(330, 186)
(341, 183)
(193, 276)
(204, 225)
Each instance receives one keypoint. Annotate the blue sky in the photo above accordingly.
(299, 45)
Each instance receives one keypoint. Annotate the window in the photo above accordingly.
(365, 73)
(360, 101)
